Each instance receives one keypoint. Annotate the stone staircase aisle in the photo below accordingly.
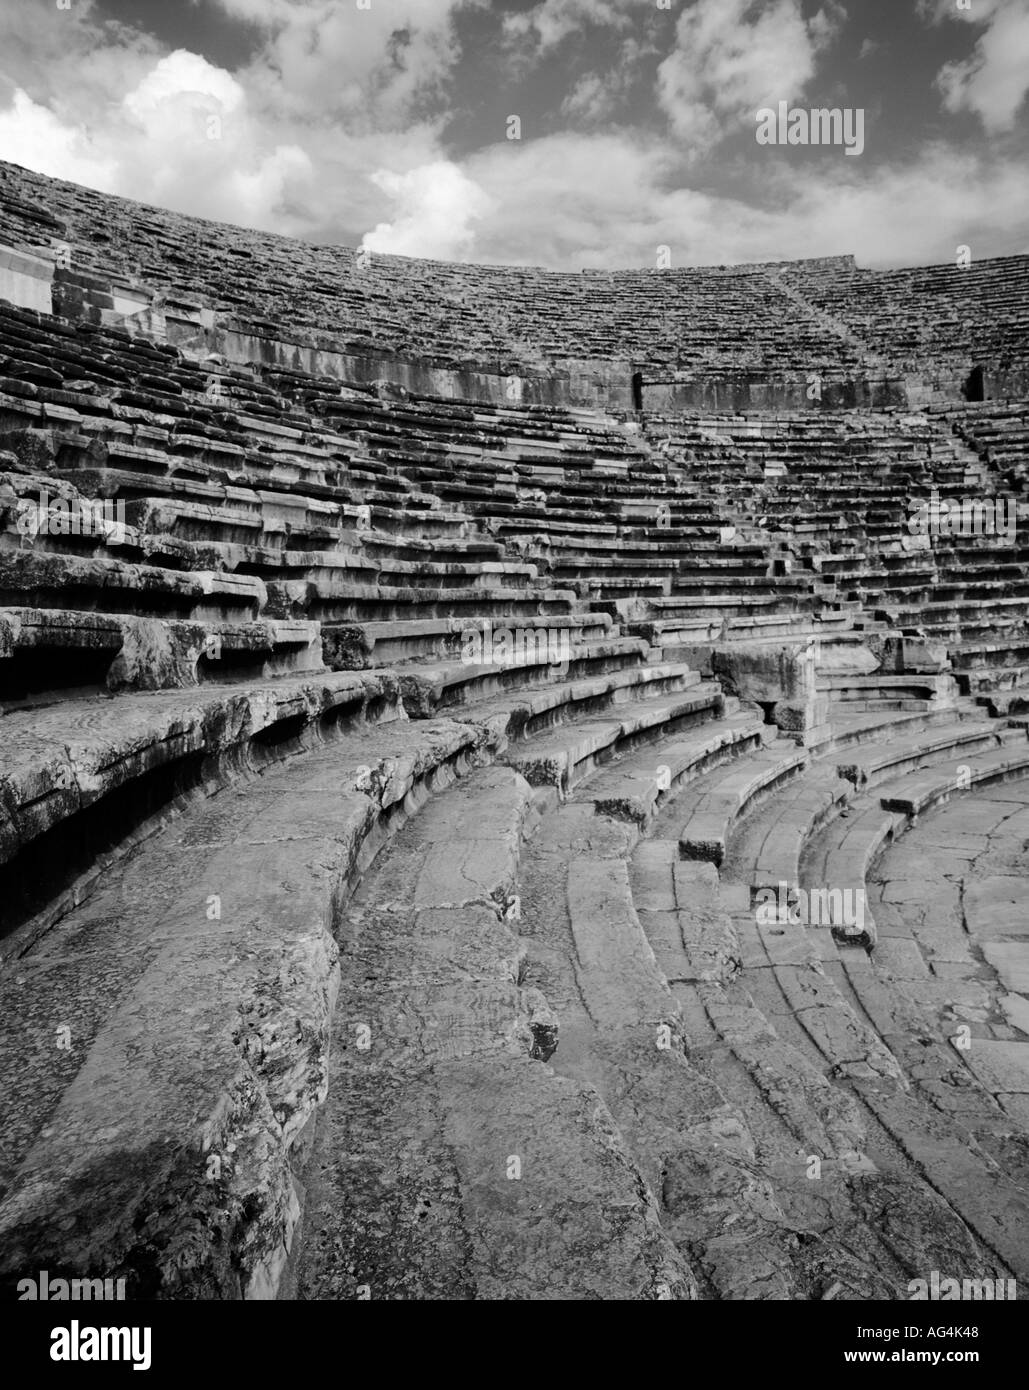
(452, 1161)
(586, 1071)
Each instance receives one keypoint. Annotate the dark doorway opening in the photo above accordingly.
(637, 392)
(975, 387)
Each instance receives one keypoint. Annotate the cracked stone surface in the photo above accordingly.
(346, 953)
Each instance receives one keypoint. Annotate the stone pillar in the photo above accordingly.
(781, 679)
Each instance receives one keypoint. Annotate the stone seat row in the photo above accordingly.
(378, 771)
(299, 597)
(733, 317)
(889, 578)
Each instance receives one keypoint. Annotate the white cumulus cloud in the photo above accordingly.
(328, 57)
(551, 22)
(732, 57)
(338, 123)
(182, 137)
(183, 74)
(915, 211)
(31, 135)
(436, 208)
(993, 81)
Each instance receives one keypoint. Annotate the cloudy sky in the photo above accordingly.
(387, 122)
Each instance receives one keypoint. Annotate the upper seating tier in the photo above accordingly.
(181, 277)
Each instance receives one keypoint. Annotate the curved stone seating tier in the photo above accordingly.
(587, 929)
(850, 528)
(887, 749)
(979, 313)
(852, 693)
(808, 802)
(684, 629)
(561, 759)
(914, 752)
(344, 603)
(474, 638)
(705, 938)
(711, 809)
(88, 770)
(974, 660)
(634, 789)
(304, 584)
(51, 652)
(929, 789)
(435, 686)
(962, 965)
(200, 1024)
(367, 781)
(459, 1063)
(784, 318)
(38, 579)
(294, 610)
(909, 782)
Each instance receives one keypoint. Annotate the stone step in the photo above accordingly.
(401, 641)
(36, 579)
(987, 658)
(903, 755)
(615, 965)
(693, 1147)
(563, 759)
(852, 1049)
(82, 774)
(447, 1134)
(843, 862)
(989, 1200)
(179, 939)
(926, 790)
(536, 713)
(340, 603)
(846, 688)
(50, 654)
(789, 821)
(713, 812)
(548, 658)
(635, 787)
(850, 730)
(679, 905)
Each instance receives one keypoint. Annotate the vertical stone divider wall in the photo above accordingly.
(781, 679)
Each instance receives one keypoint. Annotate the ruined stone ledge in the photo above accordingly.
(194, 1094)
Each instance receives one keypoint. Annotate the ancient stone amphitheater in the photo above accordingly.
(513, 785)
